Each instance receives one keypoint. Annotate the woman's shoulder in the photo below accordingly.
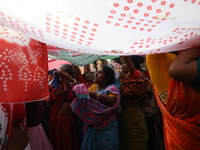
(93, 87)
(135, 74)
(112, 87)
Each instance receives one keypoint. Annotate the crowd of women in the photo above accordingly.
(89, 112)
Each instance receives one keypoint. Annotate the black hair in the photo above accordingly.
(69, 69)
(137, 60)
(174, 52)
(109, 75)
(117, 60)
(84, 75)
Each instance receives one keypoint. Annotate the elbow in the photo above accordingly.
(182, 75)
(174, 73)
(177, 73)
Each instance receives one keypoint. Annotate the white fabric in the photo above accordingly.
(37, 138)
(106, 27)
(3, 125)
(28, 147)
(115, 72)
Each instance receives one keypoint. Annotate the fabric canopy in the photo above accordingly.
(76, 58)
(106, 27)
(85, 31)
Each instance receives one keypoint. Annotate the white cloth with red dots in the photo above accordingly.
(106, 27)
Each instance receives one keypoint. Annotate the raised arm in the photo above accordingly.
(67, 76)
(128, 62)
(185, 66)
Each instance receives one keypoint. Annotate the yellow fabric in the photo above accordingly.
(159, 62)
(94, 88)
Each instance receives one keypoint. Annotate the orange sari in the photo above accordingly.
(179, 105)
(181, 117)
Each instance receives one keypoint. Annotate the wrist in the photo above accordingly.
(74, 81)
(97, 97)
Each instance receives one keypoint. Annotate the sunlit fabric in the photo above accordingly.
(106, 27)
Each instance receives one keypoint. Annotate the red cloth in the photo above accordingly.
(136, 74)
(181, 117)
(81, 80)
(24, 69)
(63, 133)
(19, 113)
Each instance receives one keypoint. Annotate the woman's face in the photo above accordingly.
(99, 76)
(124, 68)
(89, 77)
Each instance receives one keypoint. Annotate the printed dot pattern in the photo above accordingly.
(79, 31)
(23, 69)
(148, 26)
(128, 18)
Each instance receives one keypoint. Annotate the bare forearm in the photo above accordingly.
(104, 99)
(67, 77)
(186, 56)
(130, 64)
